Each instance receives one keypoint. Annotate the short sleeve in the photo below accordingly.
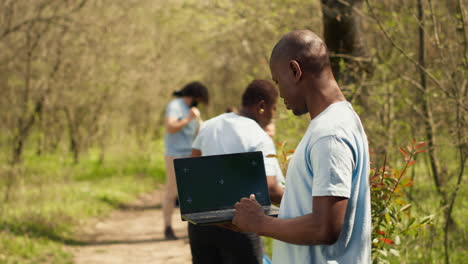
(332, 167)
(173, 110)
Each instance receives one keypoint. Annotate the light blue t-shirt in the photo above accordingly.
(232, 133)
(332, 159)
(179, 144)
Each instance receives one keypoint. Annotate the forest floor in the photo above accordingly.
(134, 235)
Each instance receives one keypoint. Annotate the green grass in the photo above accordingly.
(427, 247)
(52, 196)
(268, 246)
(27, 250)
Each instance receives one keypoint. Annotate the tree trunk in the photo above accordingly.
(343, 33)
(17, 149)
(74, 147)
(72, 133)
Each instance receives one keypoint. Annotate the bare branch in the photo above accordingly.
(397, 47)
(463, 22)
(434, 22)
(40, 19)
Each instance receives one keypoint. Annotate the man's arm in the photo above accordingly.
(323, 226)
(332, 177)
(276, 192)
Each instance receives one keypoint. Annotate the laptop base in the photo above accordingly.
(221, 216)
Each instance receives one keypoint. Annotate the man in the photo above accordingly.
(325, 212)
(234, 133)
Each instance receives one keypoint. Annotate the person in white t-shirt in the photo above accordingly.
(234, 133)
(325, 214)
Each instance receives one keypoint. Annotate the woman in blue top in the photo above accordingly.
(182, 124)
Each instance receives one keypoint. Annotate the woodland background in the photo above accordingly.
(84, 85)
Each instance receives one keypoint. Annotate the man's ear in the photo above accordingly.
(295, 69)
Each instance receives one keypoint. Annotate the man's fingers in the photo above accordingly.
(251, 198)
(244, 199)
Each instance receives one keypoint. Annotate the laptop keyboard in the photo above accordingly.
(219, 213)
(227, 213)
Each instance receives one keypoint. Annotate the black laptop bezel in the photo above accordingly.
(257, 155)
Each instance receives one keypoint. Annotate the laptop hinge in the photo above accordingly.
(188, 219)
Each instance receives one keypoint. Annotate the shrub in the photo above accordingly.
(391, 212)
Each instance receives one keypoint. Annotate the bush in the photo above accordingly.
(391, 212)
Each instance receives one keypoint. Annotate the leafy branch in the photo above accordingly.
(390, 216)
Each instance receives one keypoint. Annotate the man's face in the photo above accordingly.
(289, 90)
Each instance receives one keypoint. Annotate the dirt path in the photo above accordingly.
(133, 235)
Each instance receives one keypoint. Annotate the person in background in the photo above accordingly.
(270, 129)
(235, 133)
(325, 214)
(182, 124)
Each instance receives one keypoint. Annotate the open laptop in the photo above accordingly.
(209, 186)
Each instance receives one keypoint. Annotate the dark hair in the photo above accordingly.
(259, 90)
(194, 89)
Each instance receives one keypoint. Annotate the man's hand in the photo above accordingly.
(249, 215)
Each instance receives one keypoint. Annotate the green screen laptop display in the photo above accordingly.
(217, 182)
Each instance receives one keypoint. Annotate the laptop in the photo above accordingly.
(209, 186)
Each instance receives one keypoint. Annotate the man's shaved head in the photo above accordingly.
(303, 46)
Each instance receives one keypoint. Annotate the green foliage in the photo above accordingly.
(397, 227)
(268, 246)
(103, 72)
(392, 220)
